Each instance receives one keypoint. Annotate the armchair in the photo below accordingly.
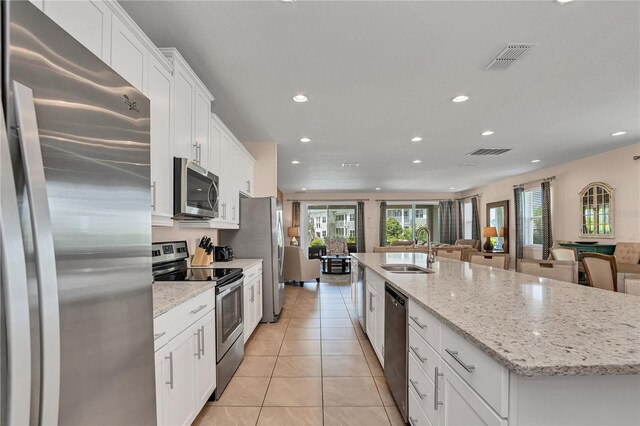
(337, 247)
(298, 268)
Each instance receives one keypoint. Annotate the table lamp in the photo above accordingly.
(294, 233)
(488, 232)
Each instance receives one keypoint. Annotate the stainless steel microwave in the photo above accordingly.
(195, 191)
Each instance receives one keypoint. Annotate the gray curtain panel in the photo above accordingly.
(518, 198)
(360, 246)
(475, 219)
(295, 213)
(547, 234)
(383, 224)
(460, 206)
(447, 213)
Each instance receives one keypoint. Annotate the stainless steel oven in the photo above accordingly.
(195, 190)
(229, 336)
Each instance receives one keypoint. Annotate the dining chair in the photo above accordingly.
(627, 253)
(555, 269)
(564, 253)
(602, 271)
(449, 253)
(497, 260)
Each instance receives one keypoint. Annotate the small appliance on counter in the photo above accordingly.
(170, 264)
(223, 254)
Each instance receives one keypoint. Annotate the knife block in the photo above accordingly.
(201, 258)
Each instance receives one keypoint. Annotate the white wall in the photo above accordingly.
(616, 168)
(371, 207)
(265, 169)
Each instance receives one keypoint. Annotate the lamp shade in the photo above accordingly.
(293, 231)
(489, 231)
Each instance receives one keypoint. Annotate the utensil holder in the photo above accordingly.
(201, 258)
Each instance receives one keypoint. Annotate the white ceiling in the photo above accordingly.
(379, 73)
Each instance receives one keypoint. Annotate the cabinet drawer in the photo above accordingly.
(488, 378)
(251, 273)
(426, 357)
(423, 389)
(163, 330)
(376, 281)
(425, 324)
(192, 310)
(416, 417)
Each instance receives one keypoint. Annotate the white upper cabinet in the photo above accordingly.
(183, 114)
(129, 55)
(215, 134)
(160, 94)
(89, 22)
(201, 126)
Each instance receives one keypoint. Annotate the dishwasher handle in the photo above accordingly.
(396, 297)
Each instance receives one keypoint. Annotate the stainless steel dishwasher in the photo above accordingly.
(395, 346)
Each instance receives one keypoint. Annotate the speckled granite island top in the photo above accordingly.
(533, 326)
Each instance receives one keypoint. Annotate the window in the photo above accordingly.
(467, 215)
(404, 220)
(324, 234)
(340, 218)
(352, 232)
(324, 219)
(533, 217)
(340, 232)
(597, 205)
(326, 222)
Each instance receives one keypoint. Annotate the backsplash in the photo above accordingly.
(174, 233)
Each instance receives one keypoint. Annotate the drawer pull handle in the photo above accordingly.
(436, 403)
(198, 309)
(202, 335)
(170, 358)
(159, 335)
(199, 350)
(415, 319)
(454, 355)
(415, 352)
(412, 421)
(415, 386)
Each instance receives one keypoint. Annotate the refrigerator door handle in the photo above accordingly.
(14, 283)
(43, 251)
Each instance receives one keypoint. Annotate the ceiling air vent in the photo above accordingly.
(490, 151)
(508, 56)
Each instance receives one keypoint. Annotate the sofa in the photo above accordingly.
(298, 268)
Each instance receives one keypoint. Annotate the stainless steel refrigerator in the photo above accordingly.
(75, 226)
(261, 236)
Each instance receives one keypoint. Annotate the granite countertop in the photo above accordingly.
(235, 263)
(169, 294)
(533, 326)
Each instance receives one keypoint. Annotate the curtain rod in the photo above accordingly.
(324, 200)
(431, 199)
(547, 179)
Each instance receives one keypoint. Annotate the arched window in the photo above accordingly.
(597, 207)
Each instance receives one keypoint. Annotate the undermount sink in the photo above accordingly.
(406, 269)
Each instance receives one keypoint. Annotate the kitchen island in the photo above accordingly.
(545, 351)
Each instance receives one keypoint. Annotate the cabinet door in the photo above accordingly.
(128, 56)
(160, 92)
(379, 346)
(258, 299)
(460, 404)
(215, 133)
(247, 312)
(181, 378)
(162, 389)
(250, 176)
(184, 90)
(226, 154)
(205, 372)
(89, 22)
(201, 127)
(371, 315)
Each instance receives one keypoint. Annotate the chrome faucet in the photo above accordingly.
(419, 231)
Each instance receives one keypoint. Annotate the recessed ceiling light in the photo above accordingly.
(416, 139)
(469, 163)
(460, 98)
(304, 189)
(487, 133)
(300, 98)
(563, 1)
(377, 189)
(295, 162)
(305, 140)
(350, 164)
(618, 133)
(535, 161)
(451, 187)
(287, 1)
(417, 161)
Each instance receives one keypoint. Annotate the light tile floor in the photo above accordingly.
(314, 366)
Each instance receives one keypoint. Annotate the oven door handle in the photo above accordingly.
(227, 288)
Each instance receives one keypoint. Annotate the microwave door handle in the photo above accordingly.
(14, 279)
(43, 251)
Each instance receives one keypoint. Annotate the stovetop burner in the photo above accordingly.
(221, 275)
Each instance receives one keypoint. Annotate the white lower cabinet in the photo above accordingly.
(252, 307)
(375, 320)
(186, 368)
